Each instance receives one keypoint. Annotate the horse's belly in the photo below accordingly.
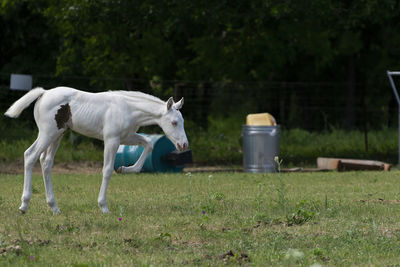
(90, 132)
(87, 124)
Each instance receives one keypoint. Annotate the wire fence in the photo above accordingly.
(307, 105)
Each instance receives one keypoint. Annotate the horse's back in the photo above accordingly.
(87, 111)
(62, 95)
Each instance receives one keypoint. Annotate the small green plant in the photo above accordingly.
(204, 219)
(259, 205)
(163, 236)
(121, 211)
(278, 162)
(217, 196)
(303, 212)
(282, 188)
(208, 207)
(282, 195)
(258, 200)
(320, 254)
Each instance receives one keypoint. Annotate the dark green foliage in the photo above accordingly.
(30, 42)
(332, 55)
(136, 41)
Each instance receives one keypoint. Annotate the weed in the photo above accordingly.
(281, 190)
(217, 196)
(282, 195)
(320, 254)
(163, 236)
(303, 212)
(208, 207)
(121, 211)
(278, 162)
(259, 199)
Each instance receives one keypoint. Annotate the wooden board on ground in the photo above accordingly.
(351, 164)
(298, 169)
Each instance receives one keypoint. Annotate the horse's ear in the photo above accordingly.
(178, 105)
(170, 103)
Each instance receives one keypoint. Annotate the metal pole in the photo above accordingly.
(389, 74)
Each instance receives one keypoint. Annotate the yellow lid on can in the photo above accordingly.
(260, 119)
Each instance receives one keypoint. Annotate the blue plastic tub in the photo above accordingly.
(156, 161)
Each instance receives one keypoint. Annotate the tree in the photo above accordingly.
(29, 43)
(149, 44)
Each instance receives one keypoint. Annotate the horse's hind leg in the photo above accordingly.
(46, 161)
(31, 155)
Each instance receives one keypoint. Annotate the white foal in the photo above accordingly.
(113, 117)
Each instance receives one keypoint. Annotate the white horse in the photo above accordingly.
(113, 117)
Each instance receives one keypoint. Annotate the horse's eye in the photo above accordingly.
(174, 123)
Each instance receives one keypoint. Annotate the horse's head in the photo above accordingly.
(172, 124)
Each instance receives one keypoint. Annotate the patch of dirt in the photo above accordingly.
(58, 168)
(196, 169)
(93, 167)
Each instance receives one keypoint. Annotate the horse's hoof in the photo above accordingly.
(56, 212)
(105, 211)
(21, 211)
(119, 170)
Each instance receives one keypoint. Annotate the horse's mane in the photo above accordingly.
(138, 96)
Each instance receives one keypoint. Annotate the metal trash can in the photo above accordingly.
(260, 147)
(163, 158)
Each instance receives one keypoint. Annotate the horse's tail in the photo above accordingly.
(15, 110)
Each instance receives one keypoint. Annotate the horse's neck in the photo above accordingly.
(149, 108)
(150, 112)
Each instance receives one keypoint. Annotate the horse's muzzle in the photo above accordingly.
(183, 146)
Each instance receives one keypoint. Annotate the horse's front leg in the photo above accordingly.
(137, 139)
(110, 149)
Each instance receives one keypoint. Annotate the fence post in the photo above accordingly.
(389, 74)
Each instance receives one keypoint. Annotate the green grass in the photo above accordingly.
(334, 219)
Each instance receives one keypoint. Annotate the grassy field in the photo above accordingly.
(328, 219)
